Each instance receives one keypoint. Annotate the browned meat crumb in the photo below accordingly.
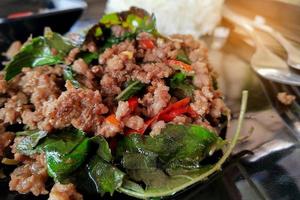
(134, 122)
(122, 110)
(157, 99)
(181, 119)
(72, 55)
(13, 49)
(80, 107)
(285, 98)
(30, 177)
(82, 68)
(5, 139)
(11, 113)
(108, 130)
(156, 128)
(64, 192)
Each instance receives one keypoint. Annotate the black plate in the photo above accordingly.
(59, 15)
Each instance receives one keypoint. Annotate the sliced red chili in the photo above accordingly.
(182, 65)
(133, 103)
(167, 114)
(146, 43)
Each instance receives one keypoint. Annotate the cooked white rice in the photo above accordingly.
(196, 17)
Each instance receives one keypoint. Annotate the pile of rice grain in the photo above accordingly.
(196, 17)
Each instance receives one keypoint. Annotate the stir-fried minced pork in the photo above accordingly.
(30, 177)
(64, 192)
(82, 108)
(13, 108)
(134, 122)
(132, 83)
(13, 49)
(5, 139)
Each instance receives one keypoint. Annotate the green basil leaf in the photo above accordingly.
(61, 164)
(69, 75)
(180, 86)
(103, 150)
(35, 53)
(130, 90)
(107, 178)
(181, 56)
(27, 145)
(176, 146)
(61, 44)
(88, 57)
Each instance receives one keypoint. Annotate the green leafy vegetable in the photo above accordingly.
(37, 52)
(180, 86)
(181, 56)
(103, 150)
(100, 173)
(65, 150)
(176, 146)
(133, 88)
(134, 21)
(88, 57)
(27, 145)
(61, 44)
(33, 54)
(110, 19)
(179, 179)
(106, 177)
(69, 75)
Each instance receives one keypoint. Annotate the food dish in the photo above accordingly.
(128, 110)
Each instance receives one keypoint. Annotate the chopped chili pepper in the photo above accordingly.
(182, 65)
(172, 114)
(146, 43)
(167, 114)
(133, 103)
(192, 113)
(113, 120)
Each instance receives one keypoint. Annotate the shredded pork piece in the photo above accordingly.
(157, 127)
(134, 122)
(64, 192)
(80, 107)
(30, 177)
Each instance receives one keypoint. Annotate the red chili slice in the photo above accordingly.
(133, 103)
(146, 43)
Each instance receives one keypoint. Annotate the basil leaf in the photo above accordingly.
(65, 149)
(33, 54)
(180, 86)
(106, 177)
(88, 57)
(176, 146)
(61, 164)
(181, 56)
(133, 21)
(61, 44)
(130, 90)
(37, 52)
(103, 150)
(69, 75)
(27, 145)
